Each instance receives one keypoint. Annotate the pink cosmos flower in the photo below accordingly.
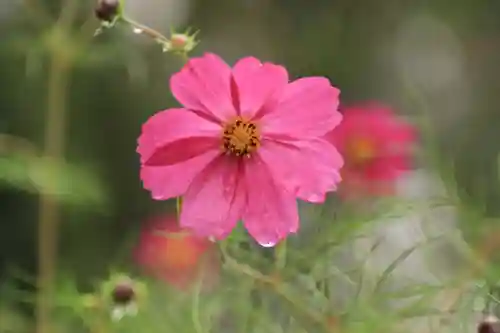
(174, 254)
(376, 146)
(245, 145)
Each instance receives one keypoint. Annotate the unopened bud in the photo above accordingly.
(490, 324)
(123, 293)
(107, 10)
(181, 42)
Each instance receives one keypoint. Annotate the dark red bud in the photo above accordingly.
(489, 325)
(123, 293)
(107, 10)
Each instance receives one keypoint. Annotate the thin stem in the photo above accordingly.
(145, 30)
(280, 255)
(184, 57)
(54, 139)
(48, 207)
(178, 207)
(195, 307)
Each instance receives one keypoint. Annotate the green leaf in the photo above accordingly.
(69, 183)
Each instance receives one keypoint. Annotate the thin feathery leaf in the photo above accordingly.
(390, 269)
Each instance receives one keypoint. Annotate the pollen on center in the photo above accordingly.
(240, 137)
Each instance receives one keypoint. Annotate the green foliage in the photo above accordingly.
(69, 183)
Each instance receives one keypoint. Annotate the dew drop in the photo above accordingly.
(267, 244)
(138, 31)
(315, 198)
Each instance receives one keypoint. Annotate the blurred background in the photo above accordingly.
(438, 58)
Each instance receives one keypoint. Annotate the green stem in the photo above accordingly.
(154, 34)
(54, 139)
(178, 207)
(280, 255)
(145, 30)
(49, 218)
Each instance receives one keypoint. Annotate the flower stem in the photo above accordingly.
(145, 30)
(154, 34)
(48, 223)
(178, 207)
(53, 148)
(280, 255)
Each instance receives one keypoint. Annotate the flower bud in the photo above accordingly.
(123, 293)
(107, 10)
(181, 42)
(490, 324)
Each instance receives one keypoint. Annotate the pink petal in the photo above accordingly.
(308, 168)
(257, 84)
(271, 212)
(204, 85)
(174, 180)
(175, 135)
(308, 108)
(214, 202)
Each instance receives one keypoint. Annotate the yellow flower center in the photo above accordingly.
(360, 151)
(241, 137)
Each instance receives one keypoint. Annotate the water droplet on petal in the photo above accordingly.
(138, 31)
(158, 197)
(315, 198)
(268, 244)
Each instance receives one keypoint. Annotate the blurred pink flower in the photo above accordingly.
(246, 144)
(174, 254)
(376, 145)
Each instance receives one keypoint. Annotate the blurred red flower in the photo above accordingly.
(174, 254)
(376, 145)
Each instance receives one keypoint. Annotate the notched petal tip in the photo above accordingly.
(259, 86)
(203, 84)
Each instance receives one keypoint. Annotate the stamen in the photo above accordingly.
(241, 137)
